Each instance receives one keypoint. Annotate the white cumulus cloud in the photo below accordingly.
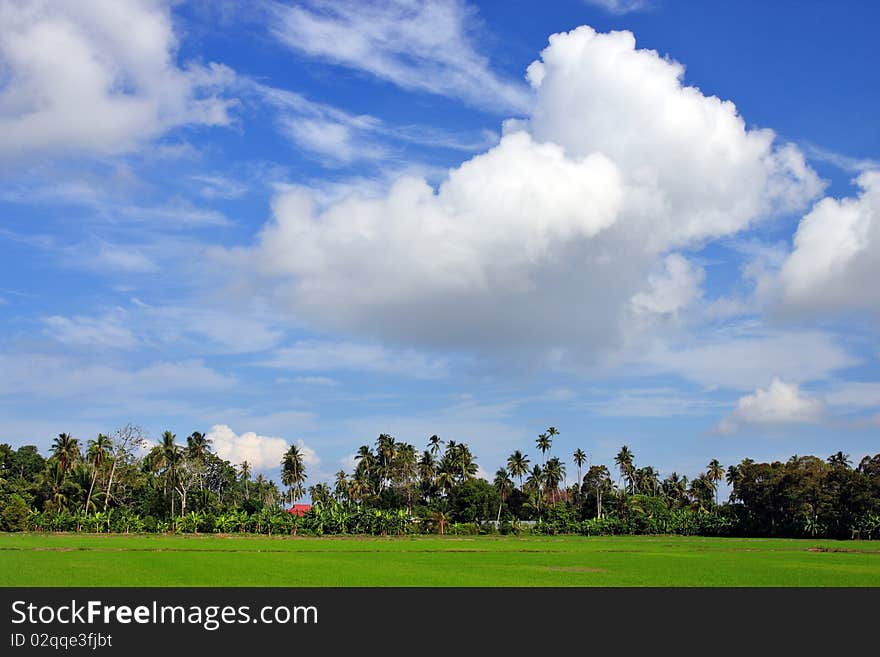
(97, 76)
(548, 241)
(835, 261)
(776, 405)
(261, 452)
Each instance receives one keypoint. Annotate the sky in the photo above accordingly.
(652, 223)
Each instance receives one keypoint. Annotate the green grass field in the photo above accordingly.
(149, 560)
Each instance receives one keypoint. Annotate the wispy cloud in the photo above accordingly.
(340, 137)
(219, 187)
(843, 162)
(49, 376)
(424, 46)
(621, 7)
(108, 331)
(316, 356)
(653, 403)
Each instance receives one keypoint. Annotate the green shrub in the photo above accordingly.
(15, 514)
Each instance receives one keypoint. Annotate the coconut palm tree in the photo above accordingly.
(544, 442)
(675, 487)
(197, 445)
(840, 459)
(504, 485)
(340, 490)
(518, 466)
(624, 461)
(405, 470)
(646, 480)
(554, 473)
(434, 443)
(245, 471)
(535, 480)
(386, 449)
(259, 482)
(445, 480)
(97, 454)
(701, 490)
(65, 448)
(715, 473)
(733, 479)
(463, 462)
(580, 457)
(170, 455)
(293, 473)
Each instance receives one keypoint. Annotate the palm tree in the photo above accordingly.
(518, 466)
(386, 449)
(580, 457)
(245, 470)
(543, 442)
(504, 485)
(554, 473)
(434, 443)
(675, 487)
(197, 445)
(293, 473)
(366, 458)
(65, 448)
(701, 490)
(715, 473)
(98, 451)
(733, 479)
(54, 477)
(405, 470)
(646, 480)
(624, 461)
(340, 490)
(170, 455)
(445, 480)
(259, 481)
(535, 480)
(840, 459)
(463, 462)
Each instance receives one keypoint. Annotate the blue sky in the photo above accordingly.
(316, 222)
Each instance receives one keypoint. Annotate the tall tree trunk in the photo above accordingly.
(91, 488)
(110, 484)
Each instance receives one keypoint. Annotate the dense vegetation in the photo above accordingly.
(116, 484)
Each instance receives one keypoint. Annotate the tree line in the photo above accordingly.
(121, 483)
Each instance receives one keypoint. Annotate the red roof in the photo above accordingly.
(300, 509)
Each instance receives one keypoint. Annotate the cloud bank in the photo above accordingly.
(569, 236)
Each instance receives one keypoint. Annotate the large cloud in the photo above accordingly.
(563, 236)
(261, 452)
(835, 262)
(96, 76)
